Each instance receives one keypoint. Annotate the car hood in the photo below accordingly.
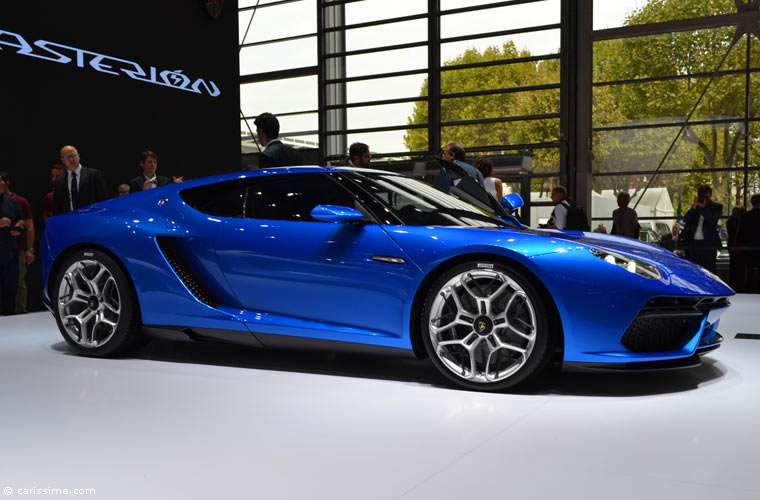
(686, 275)
(610, 242)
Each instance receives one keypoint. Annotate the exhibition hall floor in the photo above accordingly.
(195, 421)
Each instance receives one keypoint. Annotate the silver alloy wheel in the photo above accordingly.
(482, 325)
(88, 303)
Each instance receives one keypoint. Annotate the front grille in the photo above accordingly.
(683, 305)
(667, 323)
(184, 271)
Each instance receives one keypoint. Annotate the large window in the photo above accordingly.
(278, 70)
(672, 91)
(407, 76)
(675, 105)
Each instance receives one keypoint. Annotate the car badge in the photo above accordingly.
(214, 7)
(481, 326)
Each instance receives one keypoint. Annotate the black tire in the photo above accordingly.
(477, 318)
(95, 306)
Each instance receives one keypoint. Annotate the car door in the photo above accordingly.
(280, 261)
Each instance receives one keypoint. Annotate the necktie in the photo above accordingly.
(74, 191)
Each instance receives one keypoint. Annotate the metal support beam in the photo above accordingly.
(434, 75)
(332, 68)
(578, 22)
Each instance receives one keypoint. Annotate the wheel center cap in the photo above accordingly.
(483, 325)
(93, 303)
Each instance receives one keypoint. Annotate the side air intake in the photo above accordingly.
(184, 271)
(667, 323)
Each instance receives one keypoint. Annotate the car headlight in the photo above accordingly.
(630, 264)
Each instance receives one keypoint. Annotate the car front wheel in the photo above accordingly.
(486, 327)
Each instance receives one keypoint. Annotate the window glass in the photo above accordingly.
(537, 102)
(669, 101)
(500, 18)
(494, 134)
(459, 4)
(498, 77)
(536, 43)
(387, 34)
(669, 54)
(417, 203)
(271, 23)
(278, 56)
(377, 10)
(252, 3)
(385, 115)
(394, 141)
(642, 149)
(221, 200)
(293, 197)
(388, 61)
(279, 96)
(613, 14)
(386, 88)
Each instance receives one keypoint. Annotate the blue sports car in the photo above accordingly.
(354, 259)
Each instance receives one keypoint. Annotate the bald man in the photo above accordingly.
(79, 186)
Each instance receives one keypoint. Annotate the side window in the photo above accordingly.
(222, 200)
(293, 197)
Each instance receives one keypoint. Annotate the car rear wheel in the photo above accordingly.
(94, 305)
(486, 327)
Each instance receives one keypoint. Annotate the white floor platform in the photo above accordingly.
(200, 421)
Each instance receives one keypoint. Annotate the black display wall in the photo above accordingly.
(114, 78)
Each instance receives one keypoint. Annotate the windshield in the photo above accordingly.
(417, 203)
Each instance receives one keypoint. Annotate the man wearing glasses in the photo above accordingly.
(79, 186)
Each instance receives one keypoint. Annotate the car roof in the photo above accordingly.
(248, 174)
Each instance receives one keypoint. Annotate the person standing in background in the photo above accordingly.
(79, 187)
(149, 179)
(701, 223)
(359, 155)
(558, 219)
(625, 221)
(493, 184)
(24, 242)
(736, 259)
(11, 227)
(47, 205)
(275, 154)
(455, 153)
(748, 235)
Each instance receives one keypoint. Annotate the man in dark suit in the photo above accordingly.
(702, 228)
(79, 186)
(748, 235)
(275, 154)
(149, 179)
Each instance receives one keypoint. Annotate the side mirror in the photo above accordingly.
(336, 213)
(512, 201)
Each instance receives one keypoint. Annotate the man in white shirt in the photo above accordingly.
(558, 220)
